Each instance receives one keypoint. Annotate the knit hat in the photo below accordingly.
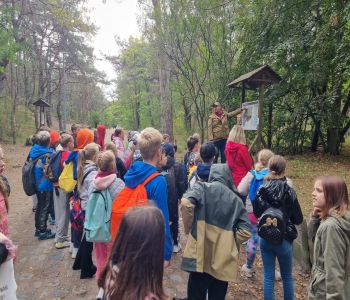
(169, 149)
(84, 137)
(54, 136)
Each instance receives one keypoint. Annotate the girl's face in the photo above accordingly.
(2, 163)
(318, 199)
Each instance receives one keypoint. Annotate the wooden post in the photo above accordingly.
(243, 93)
(269, 137)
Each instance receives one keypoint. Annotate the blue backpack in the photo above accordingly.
(97, 223)
(256, 182)
(54, 168)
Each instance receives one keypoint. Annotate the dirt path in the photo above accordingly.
(42, 272)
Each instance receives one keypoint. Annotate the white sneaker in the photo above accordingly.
(61, 245)
(71, 248)
(74, 252)
(176, 248)
(246, 271)
(277, 275)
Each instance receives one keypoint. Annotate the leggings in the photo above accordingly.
(252, 246)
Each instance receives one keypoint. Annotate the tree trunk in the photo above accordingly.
(316, 136)
(269, 136)
(333, 143)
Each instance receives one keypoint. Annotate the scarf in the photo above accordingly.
(220, 113)
(101, 174)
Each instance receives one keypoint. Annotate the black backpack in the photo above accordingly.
(272, 225)
(54, 168)
(28, 180)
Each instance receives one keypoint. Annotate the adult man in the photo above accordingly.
(218, 128)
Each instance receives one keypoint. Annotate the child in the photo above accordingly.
(149, 143)
(249, 186)
(207, 153)
(176, 186)
(237, 154)
(4, 194)
(277, 194)
(44, 186)
(329, 230)
(121, 170)
(101, 133)
(106, 178)
(135, 266)
(193, 146)
(61, 203)
(219, 225)
(87, 170)
(118, 140)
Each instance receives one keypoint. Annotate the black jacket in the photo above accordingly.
(278, 194)
(121, 170)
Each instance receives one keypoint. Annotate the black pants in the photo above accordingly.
(42, 210)
(83, 260)
(220, 147)
(201, 283)
(174, 219)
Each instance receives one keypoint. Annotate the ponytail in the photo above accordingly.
(88, 153)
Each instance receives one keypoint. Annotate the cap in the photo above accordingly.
(216, 104)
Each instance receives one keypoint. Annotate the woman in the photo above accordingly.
(237, 154)
(329, 229)
(135, 267)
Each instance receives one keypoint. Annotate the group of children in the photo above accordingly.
(223, 206)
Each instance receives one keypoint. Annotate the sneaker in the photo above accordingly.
(247, 271)
(61, 245)
(46, 235)
(177, 248)
(74, 252)
(277, 275)
(71, 247)
(36, 234)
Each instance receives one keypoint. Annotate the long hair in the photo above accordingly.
(237, 135)
(277, 167)
(264, 156)
(89, 152)
(336, 196)
(135, 267)
(3, 186)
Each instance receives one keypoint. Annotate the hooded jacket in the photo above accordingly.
(91, 168)
(43, 183)
(156, 191)
(101, 132)
(218, 126)
(110, 182)
(330, 275)
(219, 226)
(239, 160)
(278, 194)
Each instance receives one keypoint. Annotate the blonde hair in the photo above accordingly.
(237, 135)
(264, 156)
(89, 152)
(277, 167)
(111, 147)
(65, 139)
(3, 187)
(106, 161)
(149, 142)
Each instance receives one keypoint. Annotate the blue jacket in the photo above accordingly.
(44, 184)
(73, 156)
(156, 191)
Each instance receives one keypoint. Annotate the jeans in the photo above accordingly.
(201, 283)
(61, 213)
(283, 252)
(42, 210)
(220, 147)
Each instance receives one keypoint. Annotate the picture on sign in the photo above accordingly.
(250, 115)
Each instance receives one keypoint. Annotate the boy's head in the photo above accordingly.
(66, 141)
(208, 152)
(43, 138)
(169, 149)
(75, 128)
(149, 142)
(106, 161)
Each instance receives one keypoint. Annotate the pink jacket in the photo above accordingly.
(4, 219)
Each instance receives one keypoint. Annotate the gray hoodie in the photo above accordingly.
(90, 168)
(330, 276)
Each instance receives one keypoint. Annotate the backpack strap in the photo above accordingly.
(149, 178)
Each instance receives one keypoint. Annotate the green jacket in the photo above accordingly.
(220, 224)
(330, 275)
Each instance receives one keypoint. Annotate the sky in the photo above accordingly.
(114, 17)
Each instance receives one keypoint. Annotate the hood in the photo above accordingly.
(101, 132)
(259, 175)
(221, 173)
(274, 191)
(102, 183)
(71, 157)
(344, 222)
(138, 173)
(233, 147)
(89, 165)
(169, 163)
(203, 170)
(54, 136)
(84, 137)
(37, 150)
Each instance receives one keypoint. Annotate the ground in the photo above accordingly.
(42, 272)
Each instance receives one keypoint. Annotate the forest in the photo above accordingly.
(187, 54)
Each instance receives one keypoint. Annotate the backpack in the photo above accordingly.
(98, 216)
(28, 179)
(66, 180)
(272, 225)
(127, 198)
(54, 168)
(256, 183)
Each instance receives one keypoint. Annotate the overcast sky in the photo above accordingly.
(115, 17)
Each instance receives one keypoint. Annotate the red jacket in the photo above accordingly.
(239, 160)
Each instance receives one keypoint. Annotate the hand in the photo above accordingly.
(166, 264)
